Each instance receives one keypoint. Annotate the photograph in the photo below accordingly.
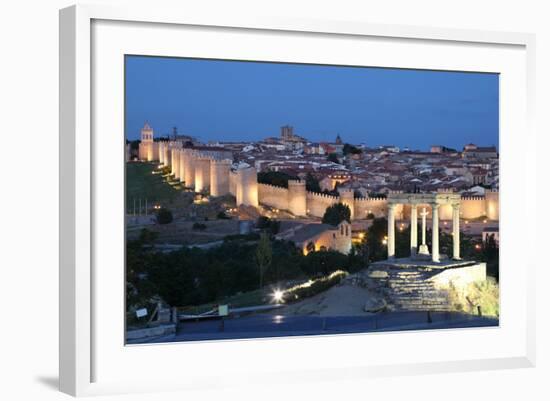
(276, 199)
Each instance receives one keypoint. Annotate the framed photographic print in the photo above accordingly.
(283, 192)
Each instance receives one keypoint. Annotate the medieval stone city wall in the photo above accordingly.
(365, 206)
(318, 203)
(210, 170)
(472, 207)
(247, 187)
(219, 177)
(273, 196)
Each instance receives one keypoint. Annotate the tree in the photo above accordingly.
(337, 213)
(264, 255)
(323, 262)
(268, 225)
(350, 149)
(333, 157)
(312, 184)
(376, 233)
(490, 256)
(199, 226)
(164, 216)
(277, 178)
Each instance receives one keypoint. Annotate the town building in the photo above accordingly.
(320, 237)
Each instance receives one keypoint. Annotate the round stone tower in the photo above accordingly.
(492, 204)
(173, 161)
(202, 174)
(189, 167)
(297, 197)
(181, 165)
(167, 154)
(176, 164)
(346, 197)
(247, 186)
(219, 177)
(161, 152)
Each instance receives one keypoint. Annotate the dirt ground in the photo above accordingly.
(341, 300)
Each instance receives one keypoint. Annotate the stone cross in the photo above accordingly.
(423, 250)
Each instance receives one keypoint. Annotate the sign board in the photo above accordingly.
(141, 312)
(223, 310)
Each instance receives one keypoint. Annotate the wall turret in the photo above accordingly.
(346, 197)
(492, 204)
(219, 177)
(189, 167)
(247, 186)
(297, 197)
(202, 174)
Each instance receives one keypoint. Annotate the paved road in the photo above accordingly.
(258, 326)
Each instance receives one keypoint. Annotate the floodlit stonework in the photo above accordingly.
(209, 168)
(435, 201)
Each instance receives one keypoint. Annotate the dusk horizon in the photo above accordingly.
(247, 101)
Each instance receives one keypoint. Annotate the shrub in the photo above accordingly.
(164, 216)
(266, 224)
(337, 213)
(199, 226)
(317, 287)
(484, 294)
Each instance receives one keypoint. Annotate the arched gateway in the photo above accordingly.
(416, 200)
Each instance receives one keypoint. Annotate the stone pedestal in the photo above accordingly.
(423, 250)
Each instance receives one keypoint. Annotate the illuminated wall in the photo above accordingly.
(247, 187)
(202, 174)
(297, 198)
(273, 196)
(219, 177)
(337, 239)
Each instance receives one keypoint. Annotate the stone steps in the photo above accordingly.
(413, 290)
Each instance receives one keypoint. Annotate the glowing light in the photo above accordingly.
(478, 247)
(278, 296)
(484, 221)
(278, 319)
(385, 241)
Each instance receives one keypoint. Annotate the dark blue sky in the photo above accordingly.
(232, 101)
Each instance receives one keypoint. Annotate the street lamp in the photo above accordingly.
(278, 296)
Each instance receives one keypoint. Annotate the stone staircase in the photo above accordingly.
(410, 289)
(413, 290)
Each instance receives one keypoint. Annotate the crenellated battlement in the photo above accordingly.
(370, 200)
(273, 187)
(322, 195)
(474, 198)
(210, 169)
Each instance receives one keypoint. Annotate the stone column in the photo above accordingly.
(423, 250)
(435, 232)
(391, 231)
(456, 231)
(414, 229)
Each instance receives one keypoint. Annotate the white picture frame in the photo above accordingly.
(82, 320)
